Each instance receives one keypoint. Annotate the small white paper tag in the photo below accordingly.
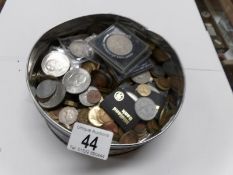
(90, 141)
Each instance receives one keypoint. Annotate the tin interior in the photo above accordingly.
(95, 24)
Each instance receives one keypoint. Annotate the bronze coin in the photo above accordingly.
(93, 96)
(160, 55)
(140, 128)
(103, 116)
(90, 66)
(83, 116)
(54, 114)
(129, 137)
(152, 126)
(162, 83)
(111, 126)
(101, 79)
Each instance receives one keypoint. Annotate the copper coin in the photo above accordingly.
(103, 116)
(128, 138)
(89, 66)
(83, 116)
(93, 96)
(144, 90)
(152, 126)
(101, 79)
(140, 128)
(163, 83)
(111, 126)
(54, 114)
(160, 55)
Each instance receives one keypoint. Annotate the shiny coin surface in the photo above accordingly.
(110, 126)
(57, 97)
(83, 116)
(152, 126)
(80, 49)
(83, 96)
(55, 63)
(103, 117)
(143, 90)
(76, 80)
(119, 44)
(46, 89)
(89, 66)
(163, 83)
(145, 108)
(68, 115)
(93, 96)
(93, 116)
(128, 138)
(142, 78)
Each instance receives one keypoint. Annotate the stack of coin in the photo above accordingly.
(140, 130)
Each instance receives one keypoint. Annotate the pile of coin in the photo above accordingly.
(112, 80)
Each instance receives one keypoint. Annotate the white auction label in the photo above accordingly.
(90, 141)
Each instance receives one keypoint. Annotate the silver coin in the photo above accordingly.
(145, 108)
(46, 89)
(68, 115)
(55, 63)
(119, 44)
(76, 80)
(83, 97)
(57, 97)
(132, 95)
(142, 78)
(81, 49)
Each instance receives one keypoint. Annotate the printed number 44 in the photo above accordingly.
(93, 143)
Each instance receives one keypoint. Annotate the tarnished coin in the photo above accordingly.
(128, 138)
(57, 97)
(145, 108)
(68, 115)
(90, 66)
(157, 71)
(70, 103)
(55, 63)
(119, 44)
(46, 89)
(144, 90)
(140, 130)
(83, 97)
(54, 114)
(160, 55)
(110, 126)
(163, 83)
(142, 78)
(93, 116)
(83, 116)
(152, 126)
(81, 49)
(93, 96)
(101, 79)
(76, 80)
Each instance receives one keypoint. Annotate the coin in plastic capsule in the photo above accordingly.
(46, 89)
(145, 108)
(76, 80)
(55, 63)
(68, 115)
(81, 49)
(57, 97)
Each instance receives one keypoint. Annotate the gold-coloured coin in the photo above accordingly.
(144, 90)
(162, 83)
(93, 116)
(90, 66)
(70, 103)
